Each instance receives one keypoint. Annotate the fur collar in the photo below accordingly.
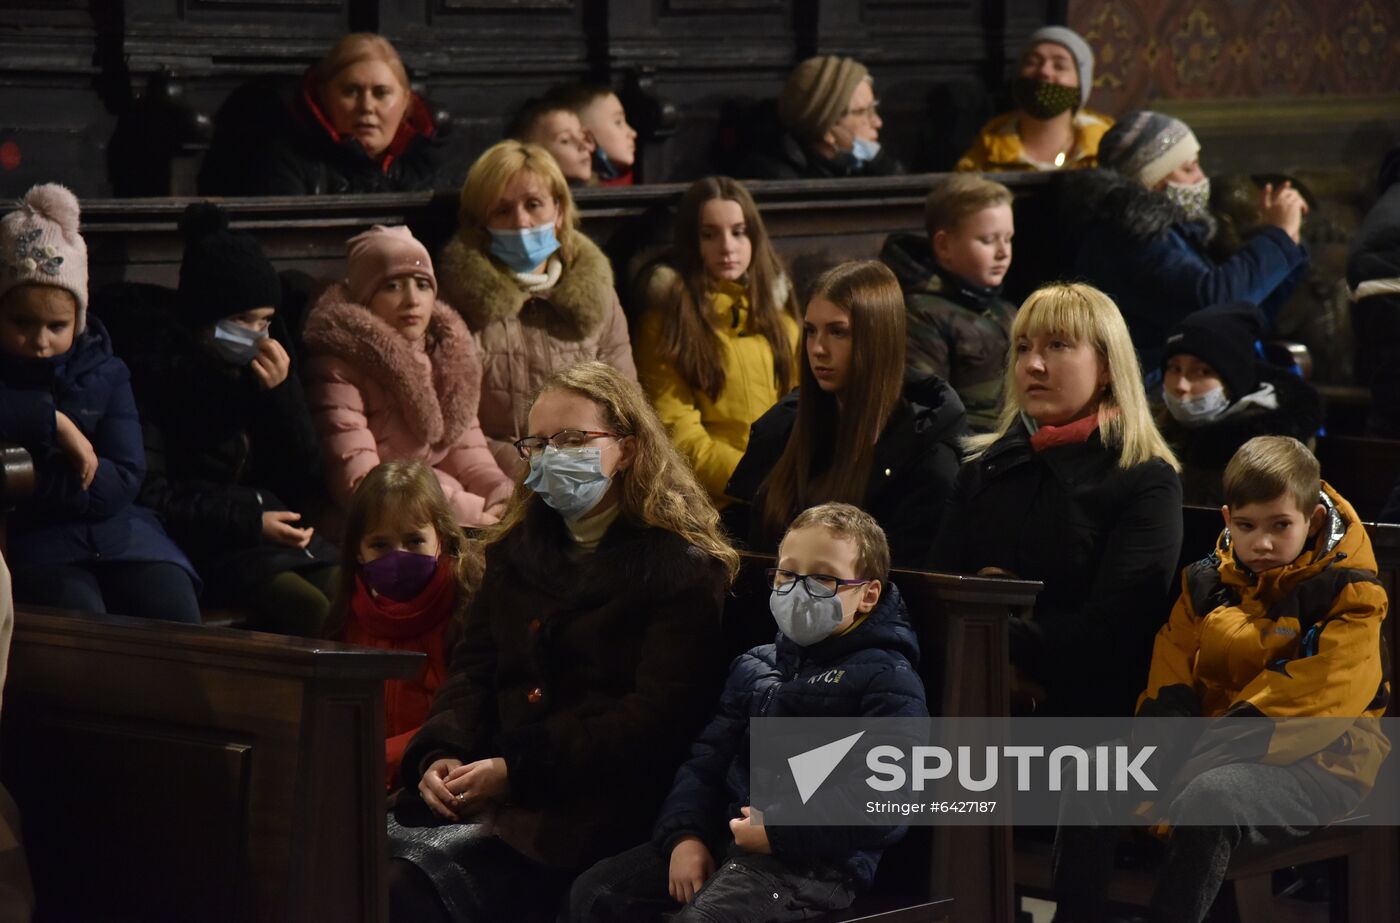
(438, 406)
(1103, 196)
(484, 291)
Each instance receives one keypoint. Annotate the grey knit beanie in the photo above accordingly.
(1078, 49)
(1148, 146)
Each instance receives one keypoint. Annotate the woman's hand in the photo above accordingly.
(271, 365)
(474, 784)
(691, 866)
(748, 836)
(1283, 208)
(433, 788)
(77, 447)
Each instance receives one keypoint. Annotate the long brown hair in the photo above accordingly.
(409, 489)
(688, 337)
(658, 488)
(830, 450)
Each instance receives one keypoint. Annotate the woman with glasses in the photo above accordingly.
(830, 121)
(393, 375)
(589, 657)
(535, 291)
(855, 431)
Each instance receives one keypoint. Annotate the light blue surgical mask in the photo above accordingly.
(236, 344)
(522, 249)
(803, 617)
(571, 481)
(864, 151)
(1198, 410)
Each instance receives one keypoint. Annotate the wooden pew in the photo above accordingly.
(962, 628)
(1363, 469)
(16, 482)
(171, 772)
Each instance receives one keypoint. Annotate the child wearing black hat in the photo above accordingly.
(1217, 395)
(231, 451)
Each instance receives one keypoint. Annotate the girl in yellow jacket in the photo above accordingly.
(1282, 621)
(717, 341)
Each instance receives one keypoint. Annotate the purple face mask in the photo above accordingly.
(399, 575)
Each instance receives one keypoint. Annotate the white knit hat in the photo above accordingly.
(40, 244)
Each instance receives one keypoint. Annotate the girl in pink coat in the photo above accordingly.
(394, 375)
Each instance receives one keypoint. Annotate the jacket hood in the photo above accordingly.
(417, 122)
(939, 415)
(1341, 542)
(438, 406)
(1091, 197)
(485, 291)
(910, 258)
(887, 627)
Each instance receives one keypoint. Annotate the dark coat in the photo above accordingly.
(785, 680)
(589, 674)
(782, 156)
(1204, 451)
(1105, 541)
(1138, 248)
(304, 156)
(916, 462)
(1375, 254)
(220, 450)
(61, 523)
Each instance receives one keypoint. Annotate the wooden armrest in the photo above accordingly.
(16, 475)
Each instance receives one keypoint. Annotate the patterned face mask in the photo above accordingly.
(1042, 100)
(1194, 199)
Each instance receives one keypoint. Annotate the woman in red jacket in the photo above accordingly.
(406, 576)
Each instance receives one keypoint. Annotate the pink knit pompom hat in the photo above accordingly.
(40, 244)
(382, 253)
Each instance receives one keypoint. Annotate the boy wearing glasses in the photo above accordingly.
(845, 648)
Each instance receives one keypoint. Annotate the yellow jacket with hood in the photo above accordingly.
(1298, 641)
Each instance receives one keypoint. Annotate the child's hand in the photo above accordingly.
(272, 364)
(77, 447)
(433, 788)
(277, 528)
(497, 510)
(748, 836)
(1283, 208)
(476, 783)
(691, 867)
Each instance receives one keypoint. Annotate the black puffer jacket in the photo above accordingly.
(1204, 451)
(784, 157)
(916, 462)
(869, 672)
(1104, 540)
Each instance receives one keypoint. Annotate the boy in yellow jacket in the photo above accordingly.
(1283, 620)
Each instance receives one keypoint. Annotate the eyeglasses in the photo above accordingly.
(530, 446)
(819, 586)
(866, 113)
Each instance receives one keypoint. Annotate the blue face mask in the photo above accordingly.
(524, 249)
(864, 151)
(1199, 410)
(236, 344)
(571, 481)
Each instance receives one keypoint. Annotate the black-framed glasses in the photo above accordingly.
(819, 586)
(530, 446)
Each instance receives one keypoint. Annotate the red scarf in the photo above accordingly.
(1070, 434)
(417, 120)
(388, 618)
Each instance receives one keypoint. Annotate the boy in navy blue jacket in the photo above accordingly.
(845, 649)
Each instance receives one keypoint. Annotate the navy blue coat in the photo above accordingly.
(1136, 246)
(61, 523)
(785, 680)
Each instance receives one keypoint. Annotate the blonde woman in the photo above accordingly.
(1078, 489)
(588, 659)
(537, 293)
(354, 126)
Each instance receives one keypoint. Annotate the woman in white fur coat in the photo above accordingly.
(394, 375)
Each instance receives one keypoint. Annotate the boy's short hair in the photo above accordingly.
(962, 194)
(522, 124)
(1266, 467)
(850, 522)
(577, 96)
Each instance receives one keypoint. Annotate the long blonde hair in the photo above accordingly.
(830, 450)
(409, 489)
(1086, 315)
(487, 179)
(658, 488)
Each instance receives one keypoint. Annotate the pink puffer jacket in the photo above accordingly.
(377, 396)
(525, 338)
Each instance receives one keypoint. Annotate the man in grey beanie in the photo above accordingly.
(1050, 128)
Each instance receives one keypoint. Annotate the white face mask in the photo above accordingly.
(805, 618)
(1198, 410)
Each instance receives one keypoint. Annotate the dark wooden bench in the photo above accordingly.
(961, 623)
(1362, 468)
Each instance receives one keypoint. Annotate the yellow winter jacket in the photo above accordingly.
(998, 148)
(711, 434)
(1298, 641)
